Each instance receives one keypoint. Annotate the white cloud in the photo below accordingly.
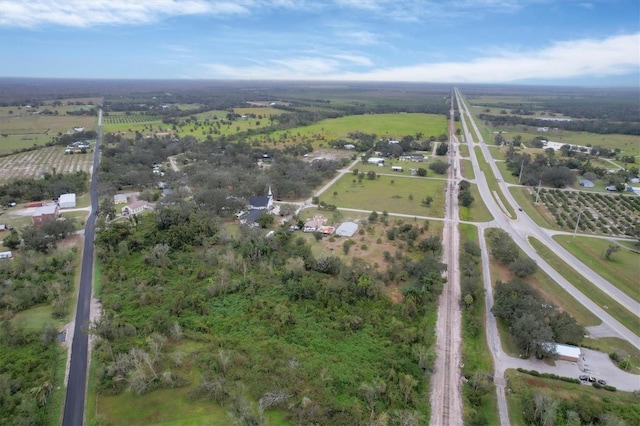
(618, 55)
(84, 13)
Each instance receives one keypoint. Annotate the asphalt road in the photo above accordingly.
(77, 382)
(523, 227)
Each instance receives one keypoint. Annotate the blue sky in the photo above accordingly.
(578, 42)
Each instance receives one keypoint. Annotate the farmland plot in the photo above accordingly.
(616, 215)
(34, 164)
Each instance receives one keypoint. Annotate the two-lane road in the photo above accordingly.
(77, 381)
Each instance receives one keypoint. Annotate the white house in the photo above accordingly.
(136, 207)
(396, 168)
(375, 160)
(67, 201)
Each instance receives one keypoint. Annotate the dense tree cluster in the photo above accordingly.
(51, 186)
(533, 322)
(543, 168)
(591, 126)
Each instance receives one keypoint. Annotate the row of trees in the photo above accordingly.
(533, 322)
(590, 126)
(52, 185)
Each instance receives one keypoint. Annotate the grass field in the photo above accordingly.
(22, 129)
(599, 297)
(383, 195)
(33, 164)
(621, 270)
(491, 181)
(478, 211)
(467, 169)
(382, 125)
(564, 299)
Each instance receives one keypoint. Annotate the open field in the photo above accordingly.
(370, 242)
(478, 211)
(22, 129)
(387, 193)
(599, 297)
(621, 270)
(382, 125)
(33, 164)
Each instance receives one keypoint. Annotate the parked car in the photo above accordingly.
(584, 377)
(602, 382)
(592, 379)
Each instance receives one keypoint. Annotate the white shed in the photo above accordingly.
(67, 201)
(347, 229)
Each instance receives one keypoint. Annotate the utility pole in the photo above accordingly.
(579, 214)
(538, 193)
(521, 167)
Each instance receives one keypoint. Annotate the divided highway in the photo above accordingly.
(523, 227)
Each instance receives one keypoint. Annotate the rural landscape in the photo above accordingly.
(297, 254)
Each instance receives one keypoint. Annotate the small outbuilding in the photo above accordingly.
(566, 352)
(67, 201)
(6, 254)
(375, 160)
(347, 229)
(587, 183)
(45, 214)
(120, 199)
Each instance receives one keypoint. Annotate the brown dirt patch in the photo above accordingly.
(394, 293)
(72, 241)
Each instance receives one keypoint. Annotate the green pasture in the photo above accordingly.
(478, 211)
(464, 149)
(382, 125)
(621, 270)
(549, 287)
(34, 318)
(496, 152)
(387, 193)
(406, 166)
(22, 130)
(467, 169)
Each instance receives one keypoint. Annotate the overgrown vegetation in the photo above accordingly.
(29, 358)
(281, 327)
(533, 322)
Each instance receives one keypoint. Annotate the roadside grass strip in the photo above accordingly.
(622, 269)
(599, 297)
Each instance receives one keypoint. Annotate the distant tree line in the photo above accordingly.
(591, 126)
